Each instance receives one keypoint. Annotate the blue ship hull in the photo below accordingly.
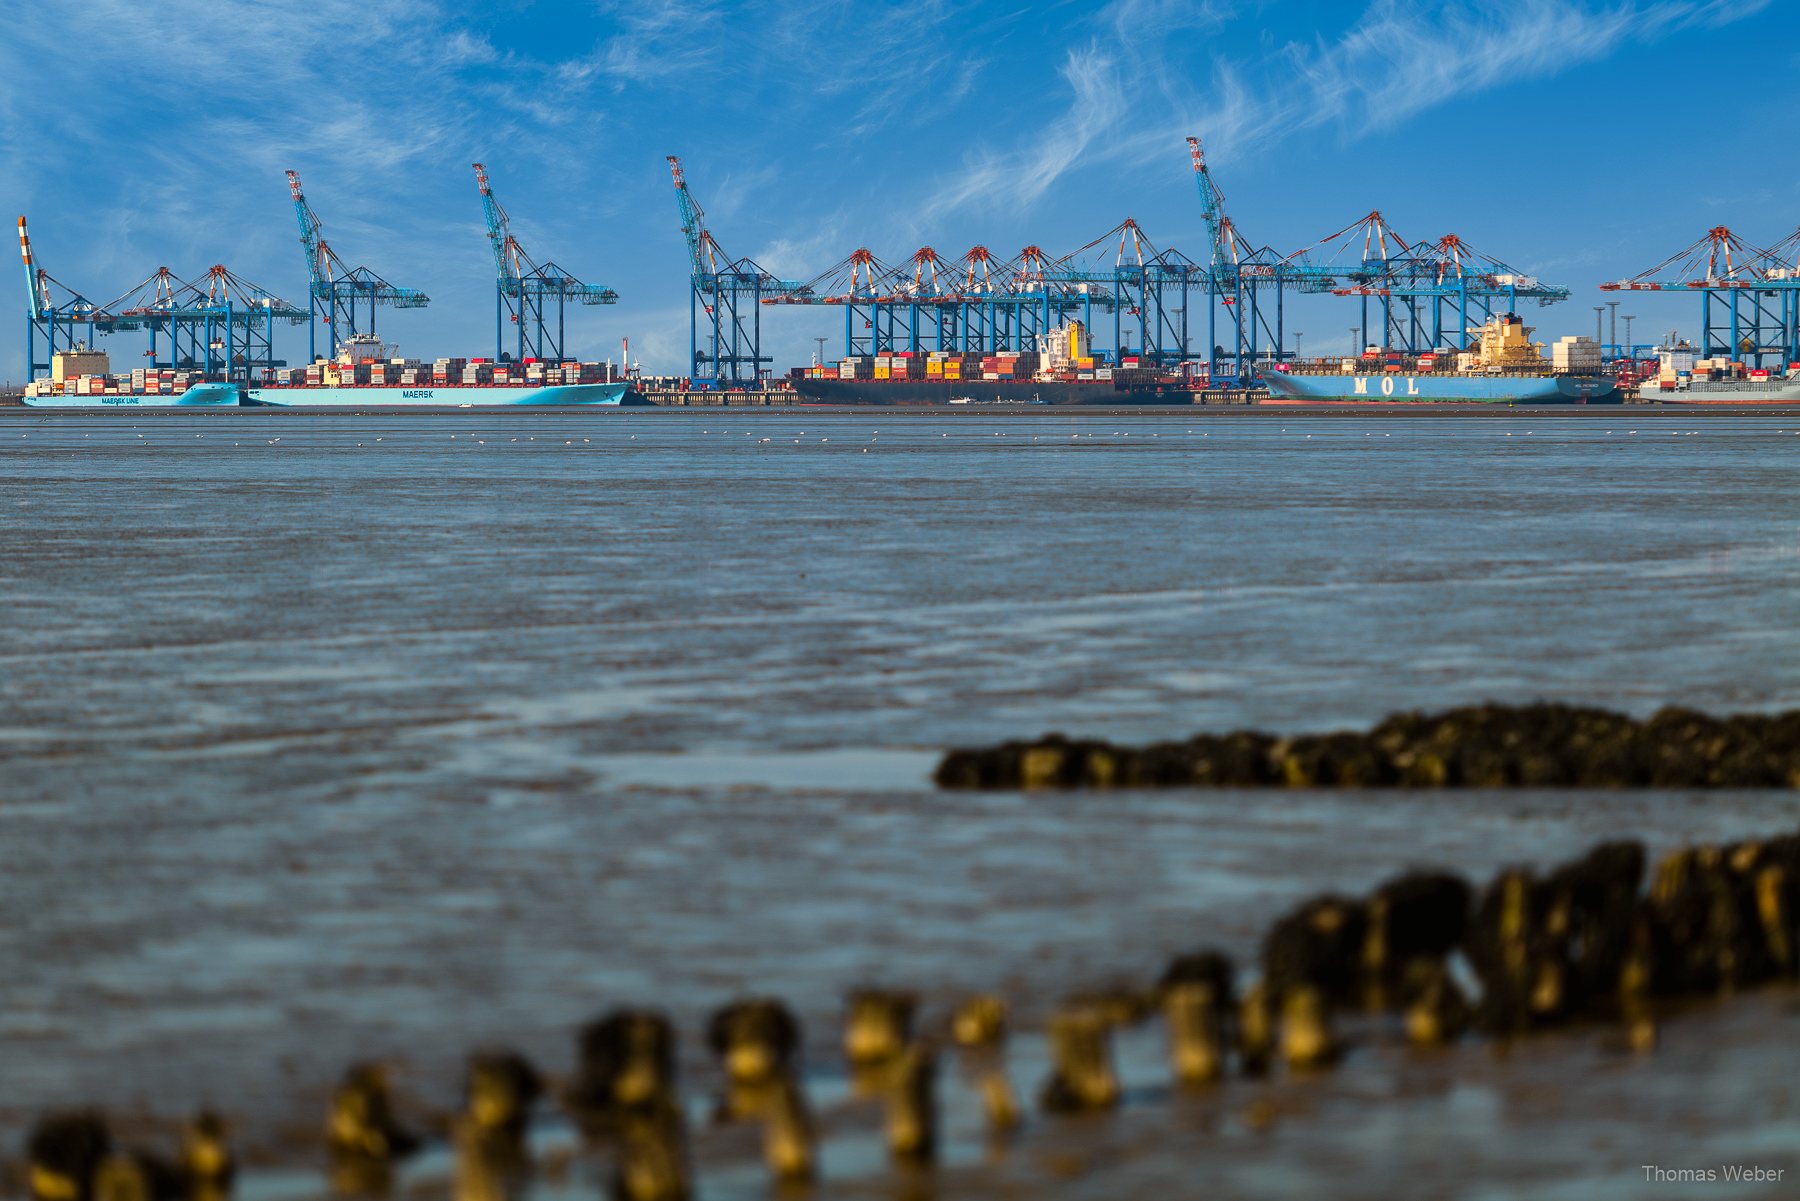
(192, 398)
(1294, 388)
(471, 396)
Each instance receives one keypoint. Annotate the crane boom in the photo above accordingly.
(499, 231)
(693, 220)
(1212, 202)
(318, 254)
(34, 286)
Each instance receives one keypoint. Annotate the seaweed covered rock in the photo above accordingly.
(1475, 746)
(1052, 761)
(1342, 760)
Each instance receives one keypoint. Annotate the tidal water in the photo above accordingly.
(327, 736)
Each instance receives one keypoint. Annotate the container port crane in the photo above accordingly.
(979, 304)
(1239, 277)
(1426, 295)
(339, 293)
(729, 291)
(1749, 297)
(524, 290)
(1138, 287)
(1012, 305)
(220, 324)
(857, 282)
(56, 316)
(1415, 297)
(926, 302)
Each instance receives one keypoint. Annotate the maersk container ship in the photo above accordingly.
(460, 396)
(1504, 368)
(365, 375)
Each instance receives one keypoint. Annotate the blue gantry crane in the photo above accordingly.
(731, 293)
(1749, 297)
(524, 290)
(974, 304)
(1241, 279)
(340, 294)
(1415, 296)
(981, 305)
(219, 324)
(56, 316)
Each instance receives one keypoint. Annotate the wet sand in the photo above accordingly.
(313, 750)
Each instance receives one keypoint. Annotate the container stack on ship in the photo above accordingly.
(366, 372)
(1064, 370)
(1681, 378)
(83, 378)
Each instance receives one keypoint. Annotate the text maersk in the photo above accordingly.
(418, 394)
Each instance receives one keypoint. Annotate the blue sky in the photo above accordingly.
(1579, 141)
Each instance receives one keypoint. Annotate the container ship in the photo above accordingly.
(366, 374)
(1504, 367)
(1064, 372)
(80, 379)
(1683, 379)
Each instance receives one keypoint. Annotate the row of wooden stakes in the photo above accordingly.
(1582, 942)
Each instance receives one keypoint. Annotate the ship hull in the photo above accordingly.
(1773, 392)
(1297, 389)
(472, 396)
(983, 392)
(186, 400)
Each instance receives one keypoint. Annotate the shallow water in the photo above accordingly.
(325, 736)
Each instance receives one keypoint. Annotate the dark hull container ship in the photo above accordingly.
(985, 392)
(1062, 372)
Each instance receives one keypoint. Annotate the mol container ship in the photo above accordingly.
(1064, 371)
(1504, 367)
(366, 374)
(1683, 379)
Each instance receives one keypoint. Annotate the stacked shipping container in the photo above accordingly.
(139, 382)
